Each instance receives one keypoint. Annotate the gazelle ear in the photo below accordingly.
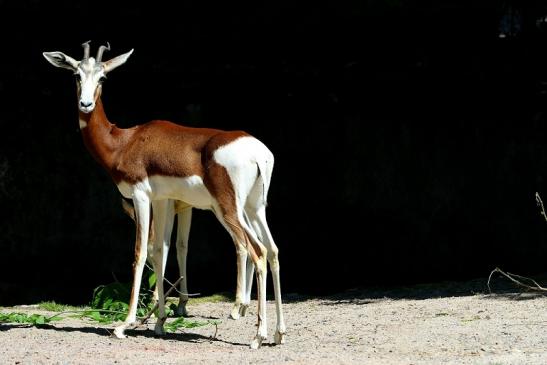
(116, 61)
(59, 59)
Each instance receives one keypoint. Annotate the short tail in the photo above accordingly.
(265, 169)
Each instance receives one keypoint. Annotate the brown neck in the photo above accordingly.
(102, 138)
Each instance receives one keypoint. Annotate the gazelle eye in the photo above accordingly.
(102, 79)
(78, 77)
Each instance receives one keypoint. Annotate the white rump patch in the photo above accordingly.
(242, 159)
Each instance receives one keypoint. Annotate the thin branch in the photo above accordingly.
(84, 311)
(513, 277)
(540, 204)
(143, 320)
(529, 279)
(172, 285)
(115, 277)
(522, 281)
(489, 278)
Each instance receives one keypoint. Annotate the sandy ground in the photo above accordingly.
(413, 326)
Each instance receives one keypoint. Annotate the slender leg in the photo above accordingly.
(258, 254)
(241, 252)
(250, 265)
(184, 218)
(161, 245)
(250, 270)
(229, 212)
(236, 232)
(142, 215)
(168, 230)
(258, 218)
(169, 221)
(245, 237)
(261, 280)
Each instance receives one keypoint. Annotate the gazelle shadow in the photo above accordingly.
(107, 332)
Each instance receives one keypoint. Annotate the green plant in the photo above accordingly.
(181, 322)
(109, 303)
(33, 319)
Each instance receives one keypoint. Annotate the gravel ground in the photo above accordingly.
(414, 326)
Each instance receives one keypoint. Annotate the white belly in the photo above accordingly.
(190, 190)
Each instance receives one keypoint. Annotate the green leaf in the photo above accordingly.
(55, 318)
(33, 319)
(181, 322)
(152, 280)
(105, 296)
(40, 320)
(141, 312)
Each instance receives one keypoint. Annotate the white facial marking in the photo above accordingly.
(90, 76)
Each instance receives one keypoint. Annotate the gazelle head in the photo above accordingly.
(90, 72)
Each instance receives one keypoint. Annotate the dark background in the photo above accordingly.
(410, 137)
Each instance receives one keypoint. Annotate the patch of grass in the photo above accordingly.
(56, 307)
(215, 298)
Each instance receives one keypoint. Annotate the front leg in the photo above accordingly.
(142, 217)
(184, 221)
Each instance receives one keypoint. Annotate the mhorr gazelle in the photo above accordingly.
(227, 172)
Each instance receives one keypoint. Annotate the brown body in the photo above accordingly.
(155, 148)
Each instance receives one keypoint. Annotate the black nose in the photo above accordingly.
(84, 104)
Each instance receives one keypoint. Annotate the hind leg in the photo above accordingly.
(247, 245)
(258, 219)
(241, 257)
(249, 271)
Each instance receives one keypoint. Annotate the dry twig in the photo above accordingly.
(173, 286)
(143, 320)
(522, 281)
(515, 279)
(540, 204)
